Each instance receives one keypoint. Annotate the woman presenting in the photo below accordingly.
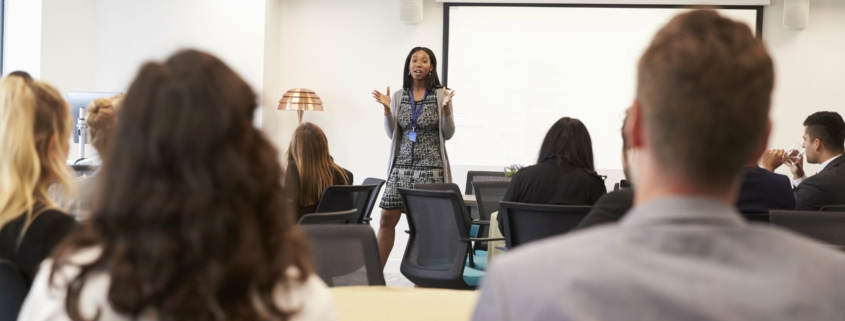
(419, 120)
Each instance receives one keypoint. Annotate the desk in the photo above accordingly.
(376, 303)
(469, 200)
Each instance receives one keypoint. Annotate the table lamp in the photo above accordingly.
(300, 99)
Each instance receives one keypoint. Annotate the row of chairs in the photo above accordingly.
(343, 204)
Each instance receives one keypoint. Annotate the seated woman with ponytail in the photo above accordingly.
(311, 168)
(34, 141)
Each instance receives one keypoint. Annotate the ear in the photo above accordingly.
(634, 128)
(817, 145)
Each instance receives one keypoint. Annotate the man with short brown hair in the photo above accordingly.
(683, 252)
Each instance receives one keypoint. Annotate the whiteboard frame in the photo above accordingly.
(447, 4)
(630, 2)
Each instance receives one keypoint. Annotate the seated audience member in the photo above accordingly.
(101, 120)
(824, 142)
(192, 222)
(760, 192)
(311, 168)
(564, 173)
(612, 206)
(683, 252)
(34, 141)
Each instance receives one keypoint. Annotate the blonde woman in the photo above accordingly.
(101, 120)
(34, 140)
(311, 168)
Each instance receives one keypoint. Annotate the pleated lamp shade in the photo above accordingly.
(301, 99)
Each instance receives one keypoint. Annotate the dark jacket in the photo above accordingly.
(549, 183)
(825, 188)
(761, 191)
(47, 229)
(292, 187)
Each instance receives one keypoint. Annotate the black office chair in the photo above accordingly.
(13, 290)
(457, 190)
(437, 254)
(757, 217)
(340, 217)
(345, 255)
(371, 203)
(483, 176)
(441, 187)
(827, 227)
(526, 223)
(488, 194)
(343, 197)
(833, 208)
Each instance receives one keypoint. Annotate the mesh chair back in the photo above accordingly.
(828, 227)
(371, 203)
(13, 291)
(343, 197)
(833, 208)
(483, 176)
(435, 254)
(441, 187)
(342, 217)
(488, 195)
(530, 222)
(345, 255)
(757, 217)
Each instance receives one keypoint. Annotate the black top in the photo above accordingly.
(825, 188)
(609, 208)
(761, 191)
(550, 183)
(41, 236)
(292, 187)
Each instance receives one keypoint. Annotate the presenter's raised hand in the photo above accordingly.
(446, 99)
(383, 99)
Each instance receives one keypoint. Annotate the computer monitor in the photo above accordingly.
(78, 100)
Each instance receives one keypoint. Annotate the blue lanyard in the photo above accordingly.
(415, 113)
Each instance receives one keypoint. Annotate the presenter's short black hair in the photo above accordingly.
(829, 128)
(433, 79)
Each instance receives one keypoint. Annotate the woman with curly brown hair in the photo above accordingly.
(191, 222)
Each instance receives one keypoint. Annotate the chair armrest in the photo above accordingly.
(481, 239)
(407, 231)
(368, 220)
(480, 222)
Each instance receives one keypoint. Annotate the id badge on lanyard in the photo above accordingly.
(415, 114)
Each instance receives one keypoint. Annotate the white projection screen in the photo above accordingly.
(517, 69)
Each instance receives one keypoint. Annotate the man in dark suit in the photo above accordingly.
(824, 142)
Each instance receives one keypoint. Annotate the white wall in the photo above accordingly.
(22, 36)
(99, 45)
(809, 68)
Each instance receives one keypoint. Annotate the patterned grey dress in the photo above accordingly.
(418, 162)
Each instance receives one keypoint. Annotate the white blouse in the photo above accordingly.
(45, 302)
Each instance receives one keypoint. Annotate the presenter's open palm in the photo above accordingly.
(383, 99)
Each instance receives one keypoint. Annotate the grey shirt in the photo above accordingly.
(679, 258)
(447, 129)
